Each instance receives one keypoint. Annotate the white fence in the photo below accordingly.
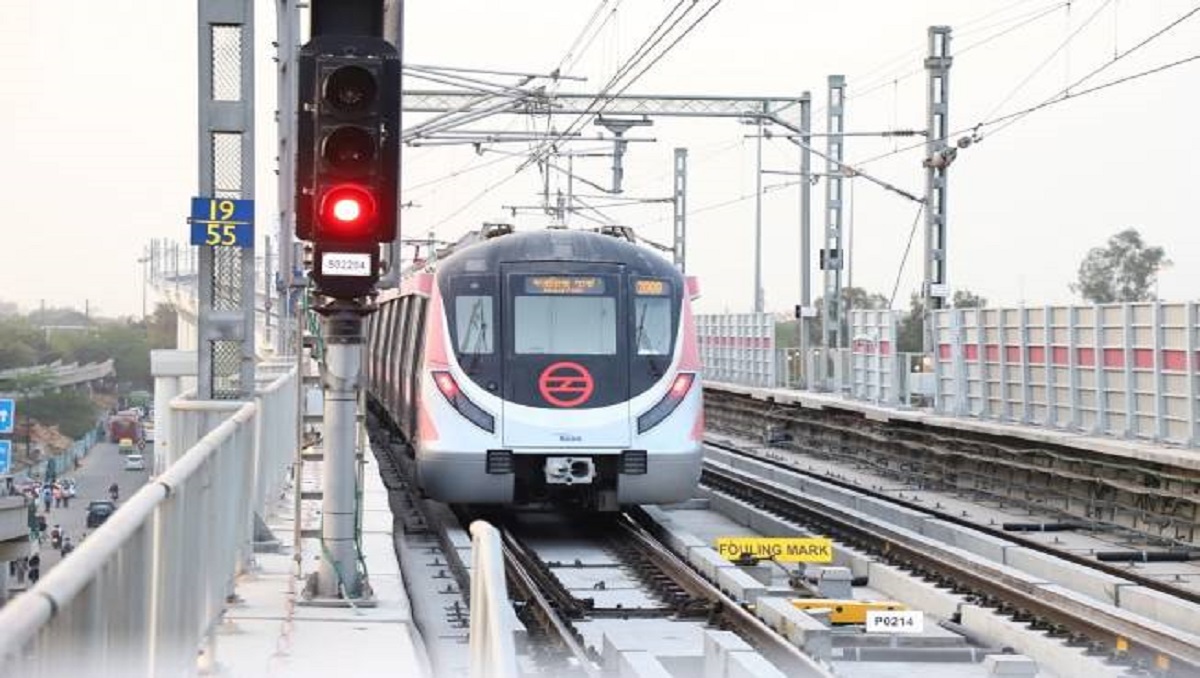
(875, 364)
(738, 348)
(140, 595)
(1126, 370)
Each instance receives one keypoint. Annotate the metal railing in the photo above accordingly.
(492, 648)
(140, 595)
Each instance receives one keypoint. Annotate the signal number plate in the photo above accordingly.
(895, 621)
(346, 264)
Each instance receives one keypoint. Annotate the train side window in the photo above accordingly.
(415, 343)
(474, 326)
(400, 352)
(390, 350)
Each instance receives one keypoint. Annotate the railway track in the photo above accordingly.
(1146, 581)
(1051, 608)
(678, 593)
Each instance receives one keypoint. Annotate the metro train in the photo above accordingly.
(551, 367)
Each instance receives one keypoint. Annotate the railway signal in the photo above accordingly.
(347, 165)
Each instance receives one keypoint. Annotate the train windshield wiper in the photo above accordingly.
(479, 326)
(655, 368)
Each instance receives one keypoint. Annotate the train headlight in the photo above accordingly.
(460, 402)
(664, 408)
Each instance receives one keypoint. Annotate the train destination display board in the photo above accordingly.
(649, 287)
(564, 284)
(781, 549)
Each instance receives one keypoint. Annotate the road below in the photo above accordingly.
(103, 466)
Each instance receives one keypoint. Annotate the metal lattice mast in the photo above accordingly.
(805, 227)
(937, 161)
(288, 28)
(393, 32)
(680, 204)
(831, 252)
(226, 126)
(758, 196)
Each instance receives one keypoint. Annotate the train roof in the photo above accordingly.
(556, 245)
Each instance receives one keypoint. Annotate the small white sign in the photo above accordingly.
(346, 264)
(808, 311)
(895, 621)
(941, 290)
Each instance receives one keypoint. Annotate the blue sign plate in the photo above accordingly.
(5, 457)
(222, 222)
(8, 415)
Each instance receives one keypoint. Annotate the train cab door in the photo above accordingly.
(566, 376)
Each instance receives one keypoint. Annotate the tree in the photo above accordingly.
(160, 330)
(853, 299)
(967, 299)
(21, 344)
(910, 333)
(74, 413)
(1126, 269)
(909, 337)
(27, 384)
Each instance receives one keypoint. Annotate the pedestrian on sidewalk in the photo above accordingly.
(57, 491)
(46, 497)
(56, 536)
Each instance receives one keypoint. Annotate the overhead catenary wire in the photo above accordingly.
(1062, 95)
(891, 79)
(605, 96)
(1050, 57)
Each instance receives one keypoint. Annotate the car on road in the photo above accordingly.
(135, 462)
(98, 512)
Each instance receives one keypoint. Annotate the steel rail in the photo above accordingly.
(770, 644)
(518, 564)
(1069, 611)
(1077, 559)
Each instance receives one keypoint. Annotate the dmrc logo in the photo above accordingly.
(566, 384)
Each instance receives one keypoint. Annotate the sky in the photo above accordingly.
(98, 137)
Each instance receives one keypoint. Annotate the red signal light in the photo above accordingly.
(347, 210)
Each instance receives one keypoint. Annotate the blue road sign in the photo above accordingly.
(5, 457)
(222, 222)
(8, 415)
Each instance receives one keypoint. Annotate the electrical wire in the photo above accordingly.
(1062, 95)
(600, 29)
(579, 38)
(1046, 62)
(466, 169)
(888, 79)
(1066, 96)
(656, 36)
(476, 198)
(912, 232)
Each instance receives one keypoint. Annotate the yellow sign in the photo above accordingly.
(784, 550)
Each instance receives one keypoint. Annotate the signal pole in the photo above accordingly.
(346, 192)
